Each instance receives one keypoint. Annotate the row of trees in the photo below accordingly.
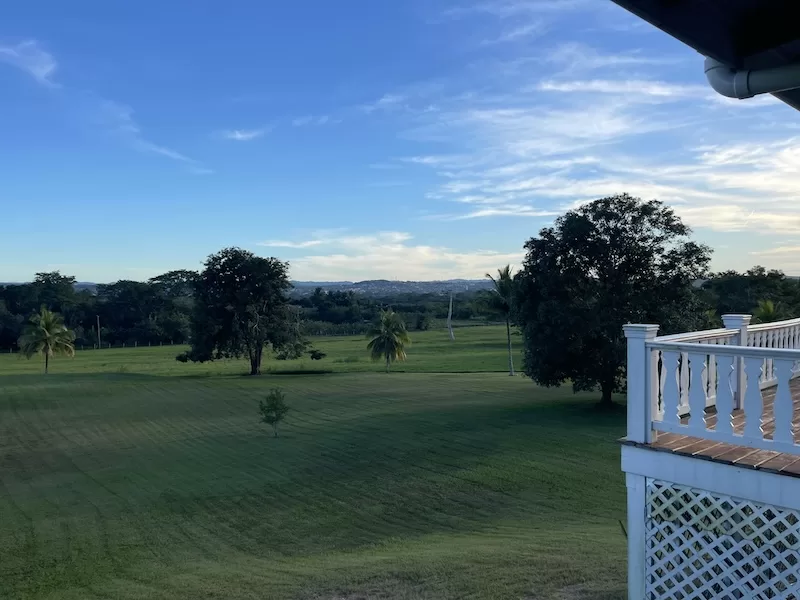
(159, 311)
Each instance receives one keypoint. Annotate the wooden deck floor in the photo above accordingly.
(766, 460)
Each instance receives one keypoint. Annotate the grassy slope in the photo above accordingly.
(411, 485)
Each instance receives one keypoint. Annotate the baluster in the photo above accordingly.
(671, 397)
(783, 402)
(662, 378)
(772, 343)
(697, 396)
(711, 376)
(753, 401)
(655, 389)
(724, 395)
(684, 378)
(704, 378)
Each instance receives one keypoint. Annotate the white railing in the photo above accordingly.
(672, 380)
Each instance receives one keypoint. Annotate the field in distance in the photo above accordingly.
(475, 349)
(148, 484)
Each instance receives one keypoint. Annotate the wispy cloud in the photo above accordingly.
(243, 135)
(118, 119)
(644, 87)
(313, 120)
(576, 56)
(29, 57)
(385, 102)
(515, 8)
(388, 254)
(527, 31)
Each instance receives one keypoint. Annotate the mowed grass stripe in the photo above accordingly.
(406, 485)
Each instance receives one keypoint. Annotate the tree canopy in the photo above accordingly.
(241, 306)
(612, 261)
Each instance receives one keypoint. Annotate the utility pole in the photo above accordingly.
(98, 332)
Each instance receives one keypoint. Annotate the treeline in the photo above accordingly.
(159, 311)
(152, 312)
(766, 294)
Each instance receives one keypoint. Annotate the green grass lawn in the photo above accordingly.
(149, 484)
(476, 349)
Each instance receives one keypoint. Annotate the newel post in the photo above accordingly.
(740, 324)
(642, 378)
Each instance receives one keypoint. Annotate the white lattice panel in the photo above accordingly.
(704, 545)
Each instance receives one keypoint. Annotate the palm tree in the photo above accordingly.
(46, 334)
(766, 312)
(502, 299)
(389, 338)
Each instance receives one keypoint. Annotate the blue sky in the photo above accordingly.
(361, 139)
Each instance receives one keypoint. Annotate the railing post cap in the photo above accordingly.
(736, 319)
(640, 330)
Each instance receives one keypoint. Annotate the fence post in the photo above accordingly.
(739, 323)
(640, 367)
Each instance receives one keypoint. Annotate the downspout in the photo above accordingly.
(747, 83)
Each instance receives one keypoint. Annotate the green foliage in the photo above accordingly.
(612, 261)
(273, 409)
(241, 305)
(46, 334)
(389, 338)
(767, 312)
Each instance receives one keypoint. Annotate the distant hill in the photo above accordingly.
(380, 287)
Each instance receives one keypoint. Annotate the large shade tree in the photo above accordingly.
(501, 300)
(240, 308)
(613, 261)
(46, 334)
(389, 338)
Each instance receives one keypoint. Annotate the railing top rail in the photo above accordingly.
(787, 354)
(773, 325)
(692, 336)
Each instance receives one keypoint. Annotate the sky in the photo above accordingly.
(363, 139)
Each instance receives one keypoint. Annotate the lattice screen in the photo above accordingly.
(704, 545)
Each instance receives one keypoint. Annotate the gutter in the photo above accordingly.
(747, 83)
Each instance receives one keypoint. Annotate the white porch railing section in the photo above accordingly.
(673, 379)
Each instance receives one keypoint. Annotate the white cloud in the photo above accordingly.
(389, 254)
(657, 89)
(31, 58)
(289, 244)
(243, 135)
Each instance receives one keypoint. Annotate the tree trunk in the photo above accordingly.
(46, 362)
(607, 388)
(510, 354)
(275, 429)
(387, 363)
(255, 361)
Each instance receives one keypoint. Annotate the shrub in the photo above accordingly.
(273, 409)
